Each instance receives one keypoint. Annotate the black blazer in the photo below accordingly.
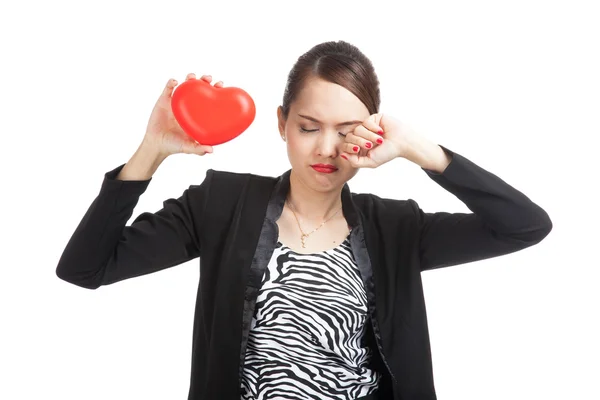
(229, 222)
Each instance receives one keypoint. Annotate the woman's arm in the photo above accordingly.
(503, 220)
(103, 250)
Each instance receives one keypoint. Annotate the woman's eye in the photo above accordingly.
(314, 130)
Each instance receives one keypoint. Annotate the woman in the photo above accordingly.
(307, 290)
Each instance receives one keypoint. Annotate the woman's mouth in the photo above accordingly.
(324, 168)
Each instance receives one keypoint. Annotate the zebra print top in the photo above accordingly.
(306, 335)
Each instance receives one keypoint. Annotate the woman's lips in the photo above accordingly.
(324, 168)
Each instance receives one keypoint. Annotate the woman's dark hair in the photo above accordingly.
(338, 62)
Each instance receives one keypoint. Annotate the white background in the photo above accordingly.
(511, 85)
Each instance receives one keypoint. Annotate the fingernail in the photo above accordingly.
(379, 141)
(380, 132)
(368, 145)
(355, 148)
(343, 156)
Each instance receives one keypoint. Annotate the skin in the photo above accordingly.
(316, 196)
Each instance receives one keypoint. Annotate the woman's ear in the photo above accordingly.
(281, 122)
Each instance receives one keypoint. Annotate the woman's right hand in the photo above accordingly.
(164, 132)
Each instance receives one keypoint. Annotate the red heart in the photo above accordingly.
(212, 115)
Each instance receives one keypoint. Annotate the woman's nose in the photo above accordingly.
(328, 145)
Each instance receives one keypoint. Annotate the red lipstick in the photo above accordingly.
(324, 168)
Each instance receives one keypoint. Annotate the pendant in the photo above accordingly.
(303, 239)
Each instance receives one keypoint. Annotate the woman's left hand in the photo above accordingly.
(366, 148)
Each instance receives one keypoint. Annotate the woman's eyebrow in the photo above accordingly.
(340, 124)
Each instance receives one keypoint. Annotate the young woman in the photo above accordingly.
(307, 290)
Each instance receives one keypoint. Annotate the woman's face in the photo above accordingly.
(327, 111)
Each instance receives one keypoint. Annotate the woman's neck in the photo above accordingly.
(313, 205)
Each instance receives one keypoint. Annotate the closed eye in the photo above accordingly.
(314, 130)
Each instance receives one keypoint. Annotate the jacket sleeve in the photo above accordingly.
(503, 220)
(103, 250)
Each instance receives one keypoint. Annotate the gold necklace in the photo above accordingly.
(305, 235)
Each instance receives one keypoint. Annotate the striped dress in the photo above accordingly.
(306, 335)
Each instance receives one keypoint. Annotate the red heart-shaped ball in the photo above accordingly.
(212, 115)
